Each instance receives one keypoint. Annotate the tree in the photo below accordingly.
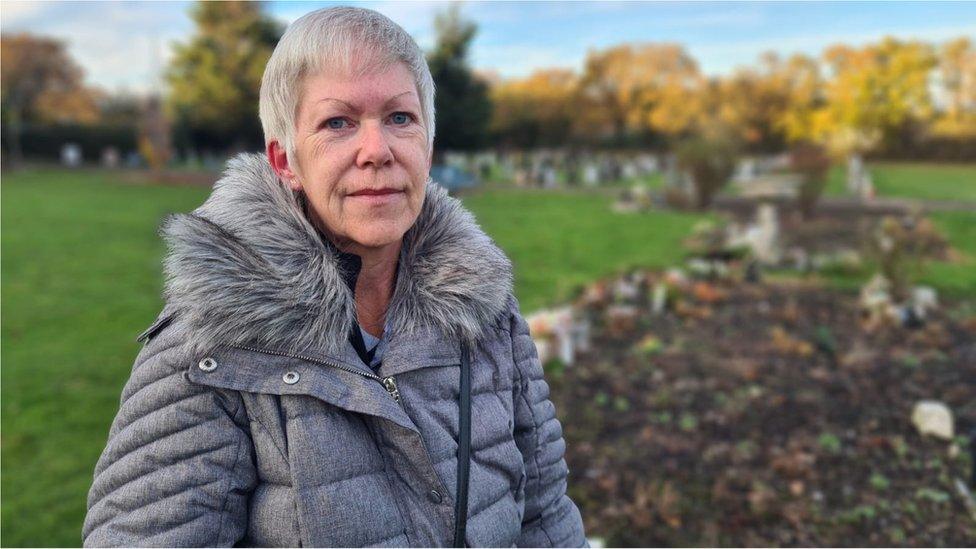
(638, 89)
(215, 78)
(540, 110)
(812, 163)
(957, 72)
(40, 83)
(874, 93)
(710, 162)
(801, 75)
(765, 103)
(462, 104)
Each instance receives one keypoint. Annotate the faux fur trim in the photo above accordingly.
(247, 267)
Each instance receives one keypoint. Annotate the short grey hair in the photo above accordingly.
(333, 38)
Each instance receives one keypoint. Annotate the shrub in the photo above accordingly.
(812, 163)
(902, 247)
(710, 162)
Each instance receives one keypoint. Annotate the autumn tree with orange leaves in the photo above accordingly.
(40, 83)
(538, 111)
(881, 96)
(638, 90)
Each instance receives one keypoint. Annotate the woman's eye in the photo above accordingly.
(400, 118)
(336, 123)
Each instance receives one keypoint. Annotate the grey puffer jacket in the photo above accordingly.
(249, 419)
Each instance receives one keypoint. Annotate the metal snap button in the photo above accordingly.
(208, 364)
(291, 378)
(435, 496)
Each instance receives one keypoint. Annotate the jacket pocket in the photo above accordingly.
(278, 374)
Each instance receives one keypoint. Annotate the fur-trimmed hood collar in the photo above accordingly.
(248, 268)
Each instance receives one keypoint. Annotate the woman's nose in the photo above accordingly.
(374, 147)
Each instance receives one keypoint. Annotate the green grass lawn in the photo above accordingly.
(912, 180)
(925, 181)
(836, 181)
(955, 279)
(559, 241)
(82, 277)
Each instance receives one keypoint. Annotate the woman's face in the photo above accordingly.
(361, 152)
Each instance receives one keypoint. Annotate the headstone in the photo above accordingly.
(134, 160)
(924, 299)
(866, 187)
(858, 179)
(555, 330)
(591, 174)
(549, 177)
(71, 155)
(625, 290)
(659, 298)
(766, 243)
(932, 417)
(628, 170)
(761, 236)
(581, 334)
(110, 158)
(648, 163)
(745, 170)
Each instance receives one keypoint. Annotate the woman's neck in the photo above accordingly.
(374, 285)
(377, 273)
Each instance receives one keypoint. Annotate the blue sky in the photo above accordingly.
(125, 44)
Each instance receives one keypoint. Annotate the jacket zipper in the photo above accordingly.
(389, 383)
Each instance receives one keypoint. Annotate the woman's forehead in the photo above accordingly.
(358, 89)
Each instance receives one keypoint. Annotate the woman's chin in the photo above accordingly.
(377, 235)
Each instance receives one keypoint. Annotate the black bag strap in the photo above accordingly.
(464, 450)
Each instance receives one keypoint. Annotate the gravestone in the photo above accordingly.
(71, 155)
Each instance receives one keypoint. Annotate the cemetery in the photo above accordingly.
(753, 294)
(742, 376)
(744, 396)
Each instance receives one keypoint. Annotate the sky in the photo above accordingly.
(125, 45)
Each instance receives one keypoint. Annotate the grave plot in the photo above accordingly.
(722, 412)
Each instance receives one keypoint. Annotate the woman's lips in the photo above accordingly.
(377, 196)
(375, 192)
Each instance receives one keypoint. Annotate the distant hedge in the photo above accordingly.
(931, 149)
(45, 141)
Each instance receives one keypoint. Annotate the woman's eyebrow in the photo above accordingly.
(345, 104)
(398, 96)
(350, 107)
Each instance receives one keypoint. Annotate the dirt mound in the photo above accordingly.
(769, 415)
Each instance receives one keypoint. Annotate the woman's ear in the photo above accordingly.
(278, 159)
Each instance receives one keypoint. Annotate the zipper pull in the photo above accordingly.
(390, 384)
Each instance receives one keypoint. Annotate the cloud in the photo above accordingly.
(21, 13)
(119, 44)
(127, 44)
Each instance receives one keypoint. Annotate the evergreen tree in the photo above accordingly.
(462, 103)
(215, 78)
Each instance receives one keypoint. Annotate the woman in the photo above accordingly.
(340, 360)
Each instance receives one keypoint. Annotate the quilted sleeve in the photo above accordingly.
(177, 469)
(551, 518)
